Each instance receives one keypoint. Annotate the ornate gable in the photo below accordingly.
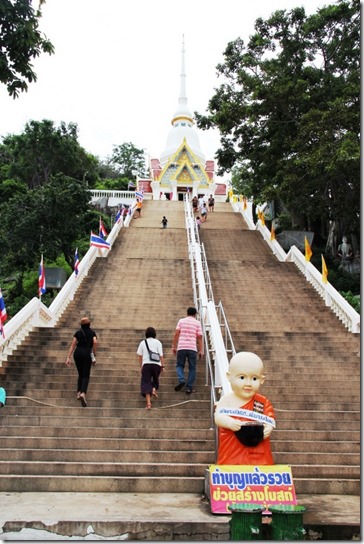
(185, 168)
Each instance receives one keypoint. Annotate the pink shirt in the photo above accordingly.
(189, 329)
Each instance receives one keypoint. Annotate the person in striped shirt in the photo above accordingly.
(187, 343)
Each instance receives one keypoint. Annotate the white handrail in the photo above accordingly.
(210, 318)
(341, 308)
(333, 299)
(36, 314)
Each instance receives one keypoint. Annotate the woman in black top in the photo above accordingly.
(84, 344)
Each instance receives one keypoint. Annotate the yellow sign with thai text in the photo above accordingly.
(249, 484)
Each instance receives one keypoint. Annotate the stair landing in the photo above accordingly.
(154, 516)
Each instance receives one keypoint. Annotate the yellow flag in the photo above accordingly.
(272, 233)
(261, 217)
(245, 205)
(308, 252)
(324, 269)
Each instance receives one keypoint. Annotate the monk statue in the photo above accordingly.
(245, 417)
(345, 253)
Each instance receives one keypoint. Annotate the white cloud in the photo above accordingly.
(117, 64)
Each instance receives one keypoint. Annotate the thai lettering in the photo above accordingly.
(240, 480)
(247, 414)
(264, 496)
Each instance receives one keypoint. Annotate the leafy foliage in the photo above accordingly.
(353, 300)
(20, 42)
(127, 159)
(43, 150)
(44, 180)
(47, 220)
(288, 112)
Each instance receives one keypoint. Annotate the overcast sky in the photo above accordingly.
(117, 64)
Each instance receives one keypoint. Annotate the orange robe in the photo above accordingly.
(232, 452)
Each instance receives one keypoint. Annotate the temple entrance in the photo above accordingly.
(181, 191)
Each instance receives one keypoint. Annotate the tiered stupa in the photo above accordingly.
(182, 166)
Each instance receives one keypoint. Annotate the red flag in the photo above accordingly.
(102, 230)
(3, 315)
(41, 279)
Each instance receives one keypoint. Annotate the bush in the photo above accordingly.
(354, 300)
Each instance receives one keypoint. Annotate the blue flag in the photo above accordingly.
(98, 241)
(3, 315)
(102, 230)
(41, 280)
(77, 262)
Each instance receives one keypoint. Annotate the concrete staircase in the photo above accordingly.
(49, 442)
(312, 363)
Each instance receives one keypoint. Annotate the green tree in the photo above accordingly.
(20, 42)
(127, 159)
(44, 150)
(288, 112)
(51, 219)
(9, 188)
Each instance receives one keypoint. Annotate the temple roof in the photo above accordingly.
(185, 167)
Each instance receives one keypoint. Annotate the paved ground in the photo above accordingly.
(142, 516)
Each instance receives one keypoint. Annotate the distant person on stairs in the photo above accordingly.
(164, 222)
(138, 209)
(150, 369)
(204, 213)
(83, 348)
(244, 417)
(187, 343)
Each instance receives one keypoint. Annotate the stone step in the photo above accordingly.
(317, 458)
(105, 456)
(317, 433)
(40, 336)
(327, 486)
(108, 443)
(170, 456)
(137, 402)
(100, 395)
(326, 471)
(55, 422)
(324, 415)
(72, 429)
(101, 484)
(318, 445)
(136, 469)
(125, 414)
(103, 425)
(116, 484)
(107, 432)
(162, 469)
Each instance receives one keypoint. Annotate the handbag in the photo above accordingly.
(153, 356)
